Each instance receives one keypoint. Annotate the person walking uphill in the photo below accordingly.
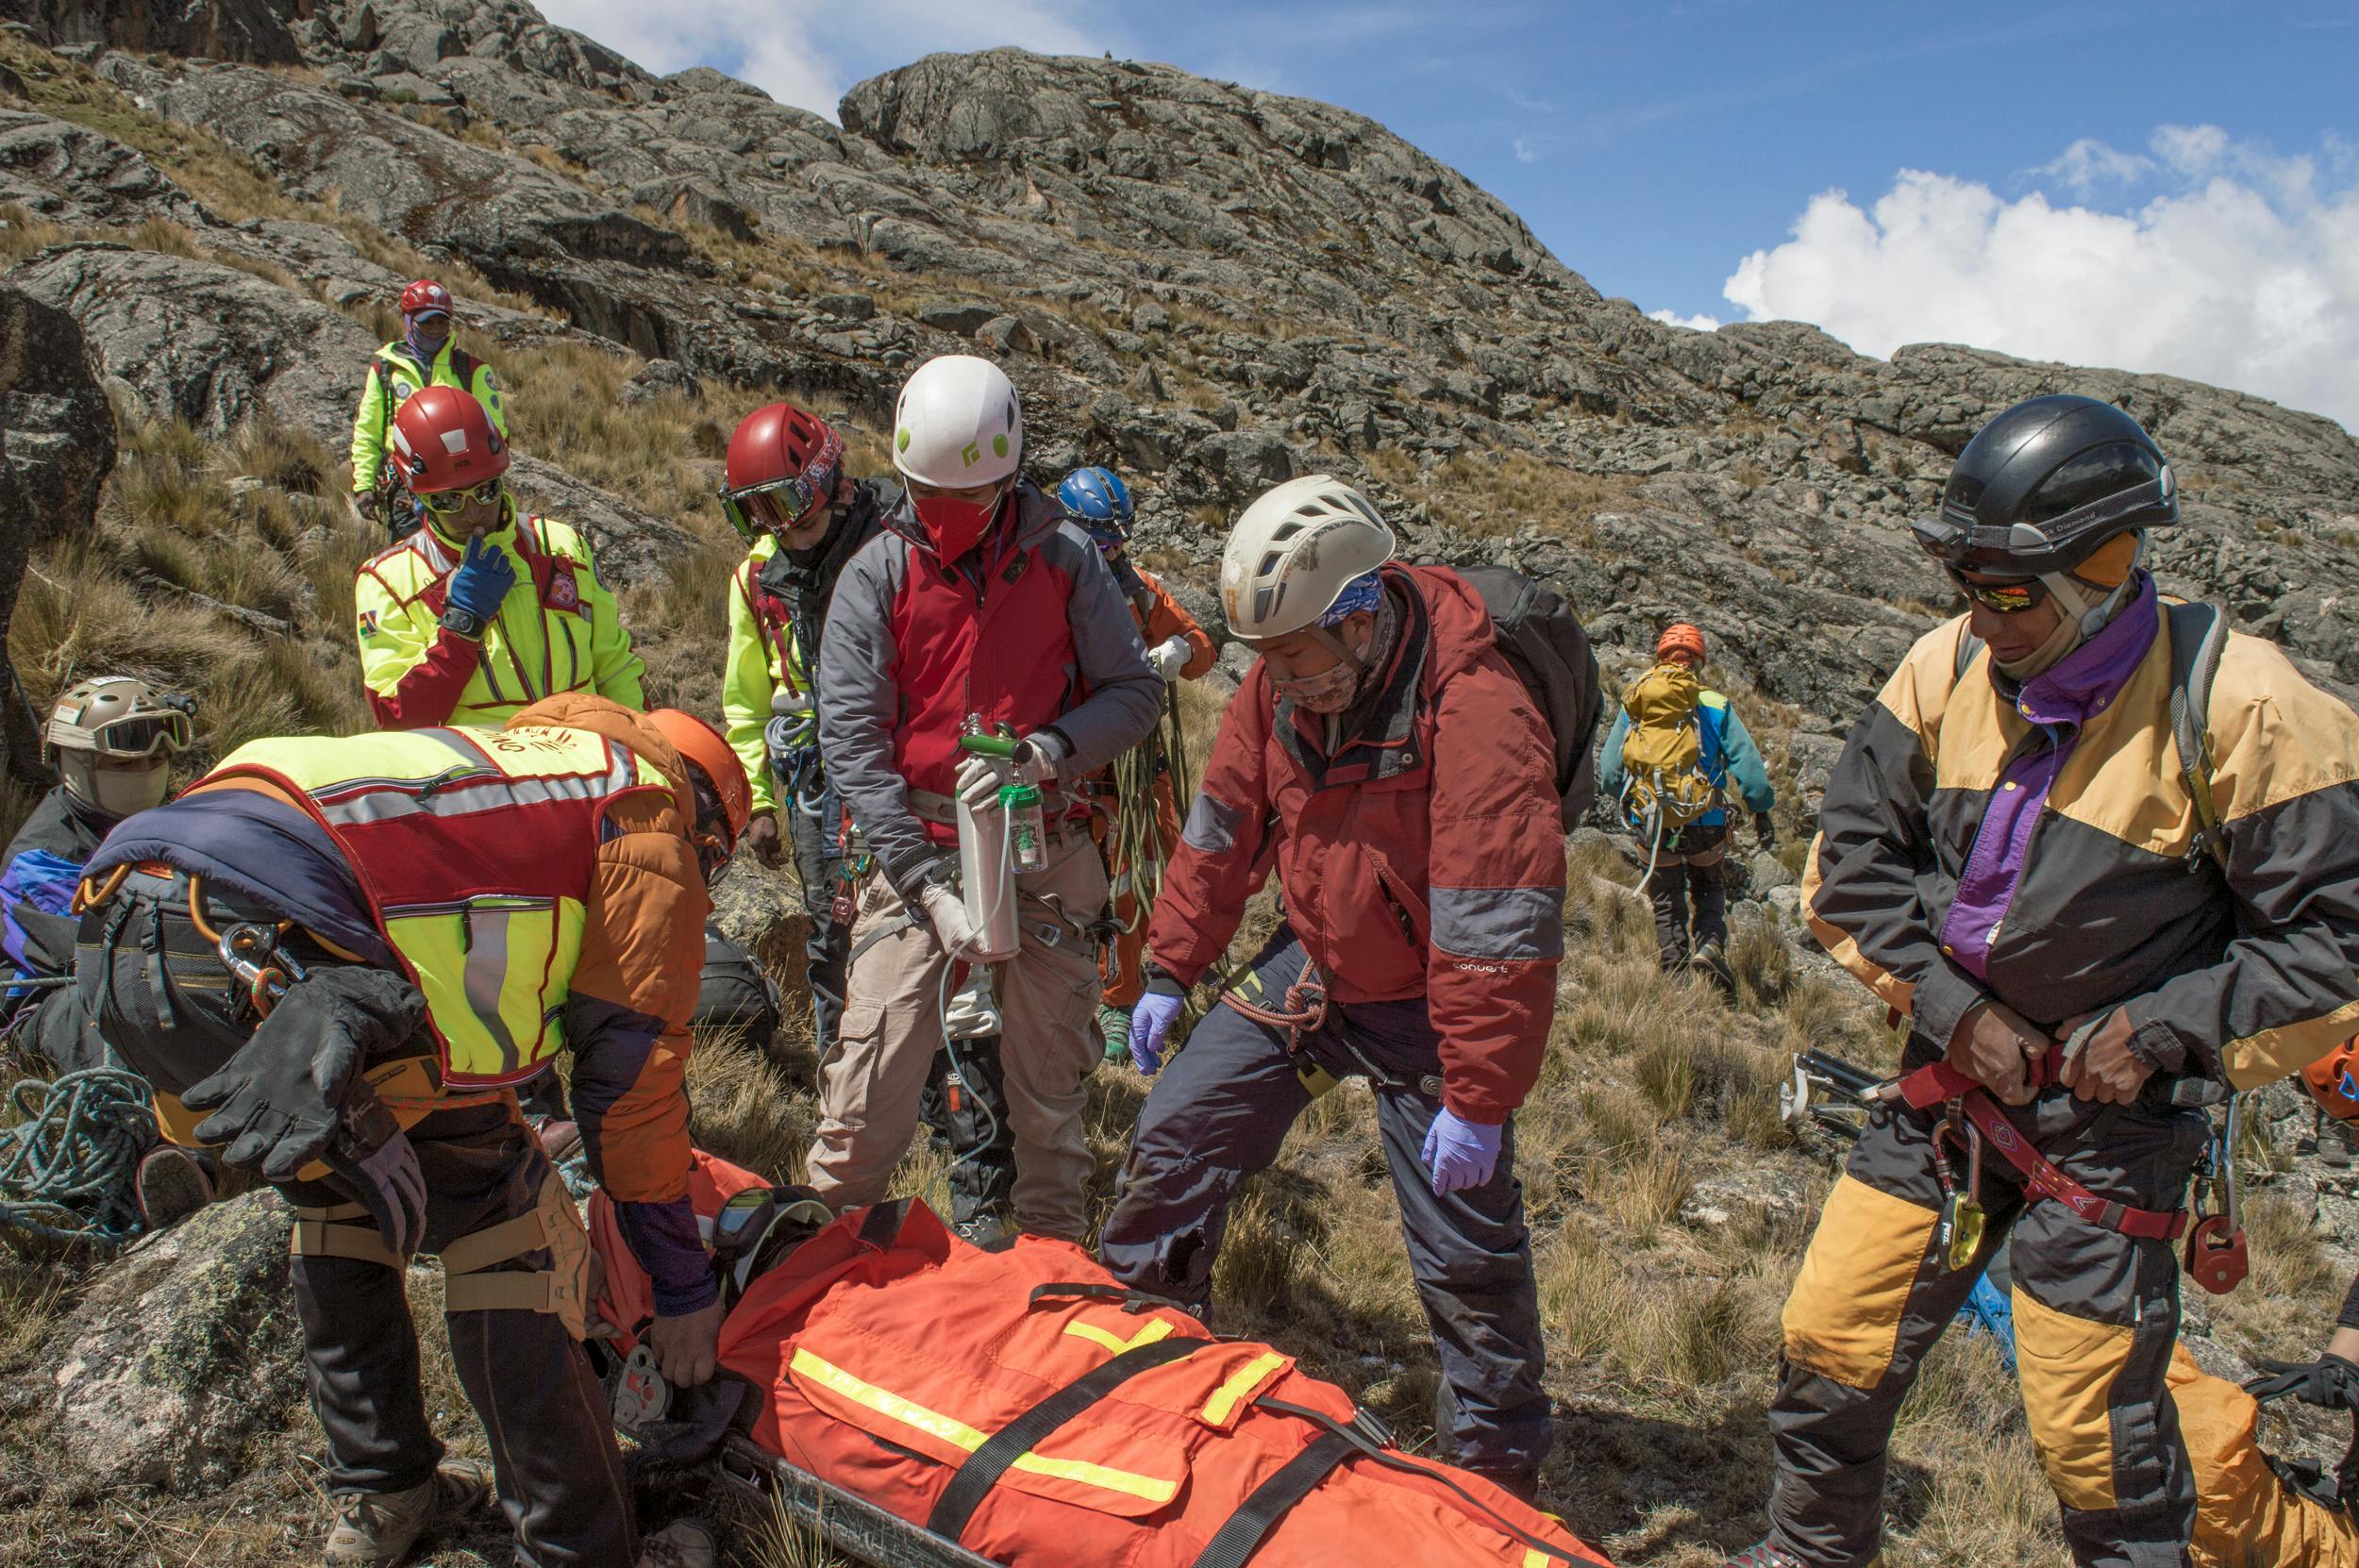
(1146, 832)
(977, 599)
(2089, 919)
(790, 501)
(337, 958)
(1385, 757)
(1675, 749)
(485, 609)
(425, 355)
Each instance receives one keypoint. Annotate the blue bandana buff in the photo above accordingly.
(426, 348)
(1364, 592)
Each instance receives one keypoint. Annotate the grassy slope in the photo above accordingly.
(226, 570)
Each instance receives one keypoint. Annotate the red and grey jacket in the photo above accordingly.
(2100, 898)
(1038, 637)
(1423, 857)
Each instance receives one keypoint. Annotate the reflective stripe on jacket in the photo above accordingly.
(2246, 978)
(378, 405)
(1424, 857)
(476, 850)
(559, 631)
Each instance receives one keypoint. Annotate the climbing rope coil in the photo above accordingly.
(67, 1170)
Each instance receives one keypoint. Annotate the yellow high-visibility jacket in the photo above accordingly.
(393, 374)
(765, 656)
(558, 630)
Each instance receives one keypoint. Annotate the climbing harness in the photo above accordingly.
(67, 1170)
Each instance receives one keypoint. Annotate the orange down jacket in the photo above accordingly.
(884, 1364)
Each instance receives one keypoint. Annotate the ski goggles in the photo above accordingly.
(782, 503)
(442, 503)
(2007, 599)
(137, 735)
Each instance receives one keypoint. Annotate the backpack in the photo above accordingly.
(1664, 784)
(734, 994)
(1543, 641)
(2198, 634)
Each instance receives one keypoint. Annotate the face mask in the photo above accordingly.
(428, 343)
(953, 525)
(1329, 691)
(2049, 654)
(118, 793)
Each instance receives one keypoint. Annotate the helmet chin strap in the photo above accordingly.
(2070, 591)
(1324, 637)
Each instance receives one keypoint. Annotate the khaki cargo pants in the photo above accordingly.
(875, 1069)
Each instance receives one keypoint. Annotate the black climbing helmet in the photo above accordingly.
(2040, 487)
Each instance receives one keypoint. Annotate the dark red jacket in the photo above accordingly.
(1424, 857)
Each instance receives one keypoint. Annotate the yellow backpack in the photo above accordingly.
(1663, 787)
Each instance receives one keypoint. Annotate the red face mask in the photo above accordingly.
(953, 525)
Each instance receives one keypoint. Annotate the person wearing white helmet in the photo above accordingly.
(1386, 759)
(979, 601)
(112, 739)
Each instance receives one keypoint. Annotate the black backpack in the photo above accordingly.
(734, 992)
(1545, 647)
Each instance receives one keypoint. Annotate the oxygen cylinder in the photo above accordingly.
(986, 863)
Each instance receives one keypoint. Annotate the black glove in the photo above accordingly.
(1764, 831)
(376, 1159)
(280, 1099)
(2330, 1382)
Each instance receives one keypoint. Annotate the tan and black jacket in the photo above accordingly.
(2245, 976)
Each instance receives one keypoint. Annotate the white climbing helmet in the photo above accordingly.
(1294, 551)
(958, 423)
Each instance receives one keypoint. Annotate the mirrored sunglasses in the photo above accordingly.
(443, 502)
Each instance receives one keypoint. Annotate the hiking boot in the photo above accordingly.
(171, 1186)
(989, 1230)
(376, 1529)
(1521, 1484)
(1710, 962)
(1115, 1024)
(681, 1543)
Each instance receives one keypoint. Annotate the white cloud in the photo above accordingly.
(2241, 267)
(1525, 152)
(795, 50)
(1693, 324)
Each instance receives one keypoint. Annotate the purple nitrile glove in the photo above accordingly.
(1149, 1022)
(1460, 1154)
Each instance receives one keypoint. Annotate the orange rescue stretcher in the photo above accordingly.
(926, 1402)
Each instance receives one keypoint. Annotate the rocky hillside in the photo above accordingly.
(207, 206)
(1212, 287)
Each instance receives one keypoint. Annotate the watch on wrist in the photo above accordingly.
(466, 626)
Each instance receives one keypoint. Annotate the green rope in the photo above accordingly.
(67, 1171)
(1136, 841)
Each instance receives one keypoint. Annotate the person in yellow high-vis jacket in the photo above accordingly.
(802, 518)
(338, 960)
(425, 355)
(484, 609)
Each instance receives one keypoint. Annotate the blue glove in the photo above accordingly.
(480, 585)
(1461, 1153)
(1149, 1022)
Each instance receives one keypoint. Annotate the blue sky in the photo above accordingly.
(1655, 147)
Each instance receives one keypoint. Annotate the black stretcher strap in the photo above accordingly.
(1362, 1442)
(1241, 1533)
(1129, 1300)
(983, 1467)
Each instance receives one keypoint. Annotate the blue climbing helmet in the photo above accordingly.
(1098, 500)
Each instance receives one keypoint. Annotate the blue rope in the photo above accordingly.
(68, 1171)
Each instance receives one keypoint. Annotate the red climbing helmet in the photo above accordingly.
(782, 463)
(443, 440)
(425, 297)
